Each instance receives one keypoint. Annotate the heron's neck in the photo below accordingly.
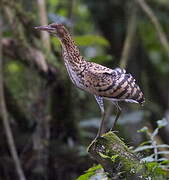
(71, 53)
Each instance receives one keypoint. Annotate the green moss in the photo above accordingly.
(112, 153)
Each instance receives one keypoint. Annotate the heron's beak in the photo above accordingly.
(44, 28)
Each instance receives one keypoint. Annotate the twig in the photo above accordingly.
(32, 58)
(43, 21)
(154, 144)
(161, 34)
(131, 31)
(6, 124)
(157, 140)
(41, 135)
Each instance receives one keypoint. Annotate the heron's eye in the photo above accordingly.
(61, 32)
(54, 25)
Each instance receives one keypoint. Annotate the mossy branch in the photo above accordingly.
(118, 160)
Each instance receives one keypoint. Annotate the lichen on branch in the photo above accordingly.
(118, 160)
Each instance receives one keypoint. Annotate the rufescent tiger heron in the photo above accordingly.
(104, 83)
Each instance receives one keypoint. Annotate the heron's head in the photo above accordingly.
(56, 29)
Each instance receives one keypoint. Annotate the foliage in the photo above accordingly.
(51, 121)
(156, 162)
(152, 144)
(89, 40)
(92, 173)
(85, 40)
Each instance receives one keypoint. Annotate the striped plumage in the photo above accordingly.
(112, 84)
(104, 83)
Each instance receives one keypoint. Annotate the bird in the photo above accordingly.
(104, 83)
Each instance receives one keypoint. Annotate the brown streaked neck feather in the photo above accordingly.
(71, 52)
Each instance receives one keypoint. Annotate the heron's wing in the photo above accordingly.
(125, 88)
(98, 78)
(114, 84)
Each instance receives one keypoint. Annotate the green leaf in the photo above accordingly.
(142, 148)
(90, 172)
(145, 143)
(147, 159)
(85, 176)
(144, 129)
(55, 41)
(163, 152)
(100, 175)
(14, 67)
(155, 168)
(102, 58)
(165, 162)
(162, 123)
(88, 40)
(94, 168)
(145, 147)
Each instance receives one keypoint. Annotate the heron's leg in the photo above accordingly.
(101, 105)
(117, 115)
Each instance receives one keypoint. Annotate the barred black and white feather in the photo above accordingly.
(126, 89)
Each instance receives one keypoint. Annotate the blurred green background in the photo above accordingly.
(52, 121)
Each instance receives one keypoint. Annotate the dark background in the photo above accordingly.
(51, 121)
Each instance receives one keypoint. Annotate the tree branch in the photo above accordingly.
(26, 51)
(161, 34)
(43, 21)
(32, 57)
(6, 124)
(119, 161)
(15, 110)
(131, 32)
(115, 157)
